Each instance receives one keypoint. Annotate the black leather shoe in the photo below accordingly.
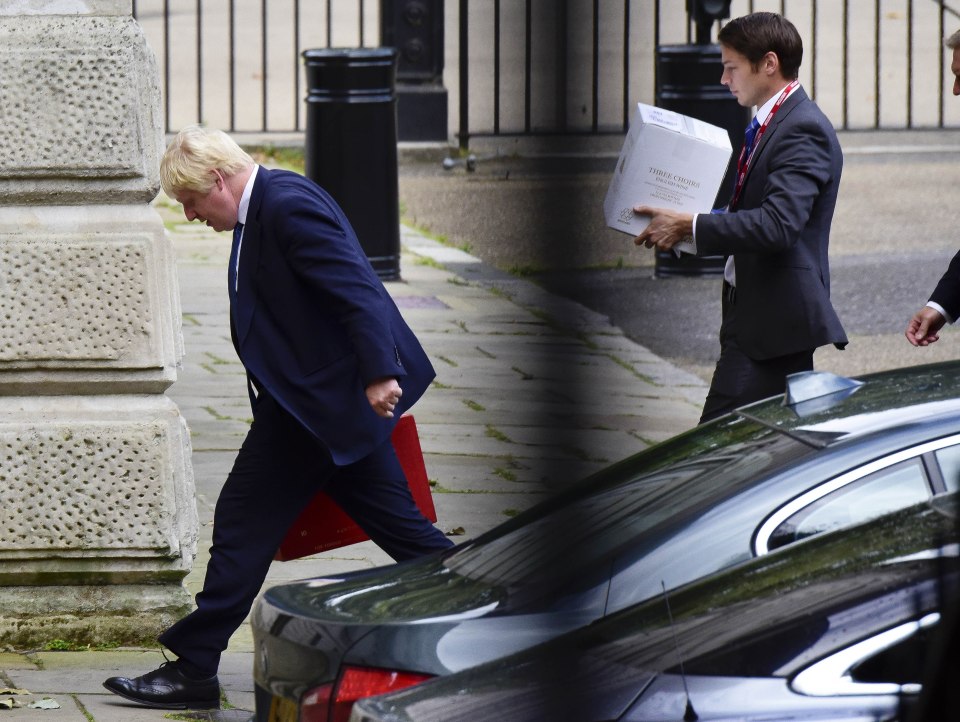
(168, 688)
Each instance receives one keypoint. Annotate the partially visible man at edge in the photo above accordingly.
(331, 365)
(944, 304)
(775, 230)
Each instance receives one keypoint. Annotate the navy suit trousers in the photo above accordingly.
(279, 469)
(739, 379)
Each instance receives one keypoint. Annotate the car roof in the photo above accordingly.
(869, 404)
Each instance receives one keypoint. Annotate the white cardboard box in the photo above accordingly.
(668, 160)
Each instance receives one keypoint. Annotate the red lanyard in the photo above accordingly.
(743, 162)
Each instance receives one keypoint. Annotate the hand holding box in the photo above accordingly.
(668, 160)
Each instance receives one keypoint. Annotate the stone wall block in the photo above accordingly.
(88, 300)
(66, 7)
(98, 490)
(121, 614)
(80, 118)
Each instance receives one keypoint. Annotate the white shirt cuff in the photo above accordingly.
(939, 309)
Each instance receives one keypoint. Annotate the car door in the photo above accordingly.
(794, 503)
(877, 677)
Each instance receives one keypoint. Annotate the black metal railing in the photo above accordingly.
(532, 67)
(237, 63)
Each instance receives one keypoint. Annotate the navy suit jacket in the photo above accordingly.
(312, 322)
(778, 234)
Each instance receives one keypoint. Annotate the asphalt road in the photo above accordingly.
(894, 232)
(678, 317)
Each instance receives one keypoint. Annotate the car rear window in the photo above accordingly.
(628, 504)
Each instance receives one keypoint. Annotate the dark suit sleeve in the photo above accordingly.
(800, 164)
(324, 253)
(947, 292)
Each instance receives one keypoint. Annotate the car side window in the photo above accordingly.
(949, 460)
(886, 490)
(889, 662)
(902, 663)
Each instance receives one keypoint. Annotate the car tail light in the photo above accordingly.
(332, 702)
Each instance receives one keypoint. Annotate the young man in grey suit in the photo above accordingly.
(944, 304)
(775, 229)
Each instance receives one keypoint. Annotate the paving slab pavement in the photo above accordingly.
(532, 392)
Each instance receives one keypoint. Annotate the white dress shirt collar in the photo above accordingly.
(764, 110)
(245, 196)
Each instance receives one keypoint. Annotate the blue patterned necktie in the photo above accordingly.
(232, 269)
(749, 136)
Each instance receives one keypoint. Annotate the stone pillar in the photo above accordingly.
(97, 504)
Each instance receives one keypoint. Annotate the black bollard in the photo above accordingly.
(351, 144)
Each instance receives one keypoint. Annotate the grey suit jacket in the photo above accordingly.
(779, 232)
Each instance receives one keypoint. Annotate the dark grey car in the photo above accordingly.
(838, 627)
(719, 495)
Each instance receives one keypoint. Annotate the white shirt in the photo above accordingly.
(729, 271)
(242, 218)
(939, 309)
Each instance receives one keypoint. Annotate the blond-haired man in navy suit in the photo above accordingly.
(331, 365)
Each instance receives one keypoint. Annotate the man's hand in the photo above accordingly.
(384, 395)
(924, 327)
(667, 228)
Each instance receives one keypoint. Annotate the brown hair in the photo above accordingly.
(757, 34)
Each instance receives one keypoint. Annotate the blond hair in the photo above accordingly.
(193, 155)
